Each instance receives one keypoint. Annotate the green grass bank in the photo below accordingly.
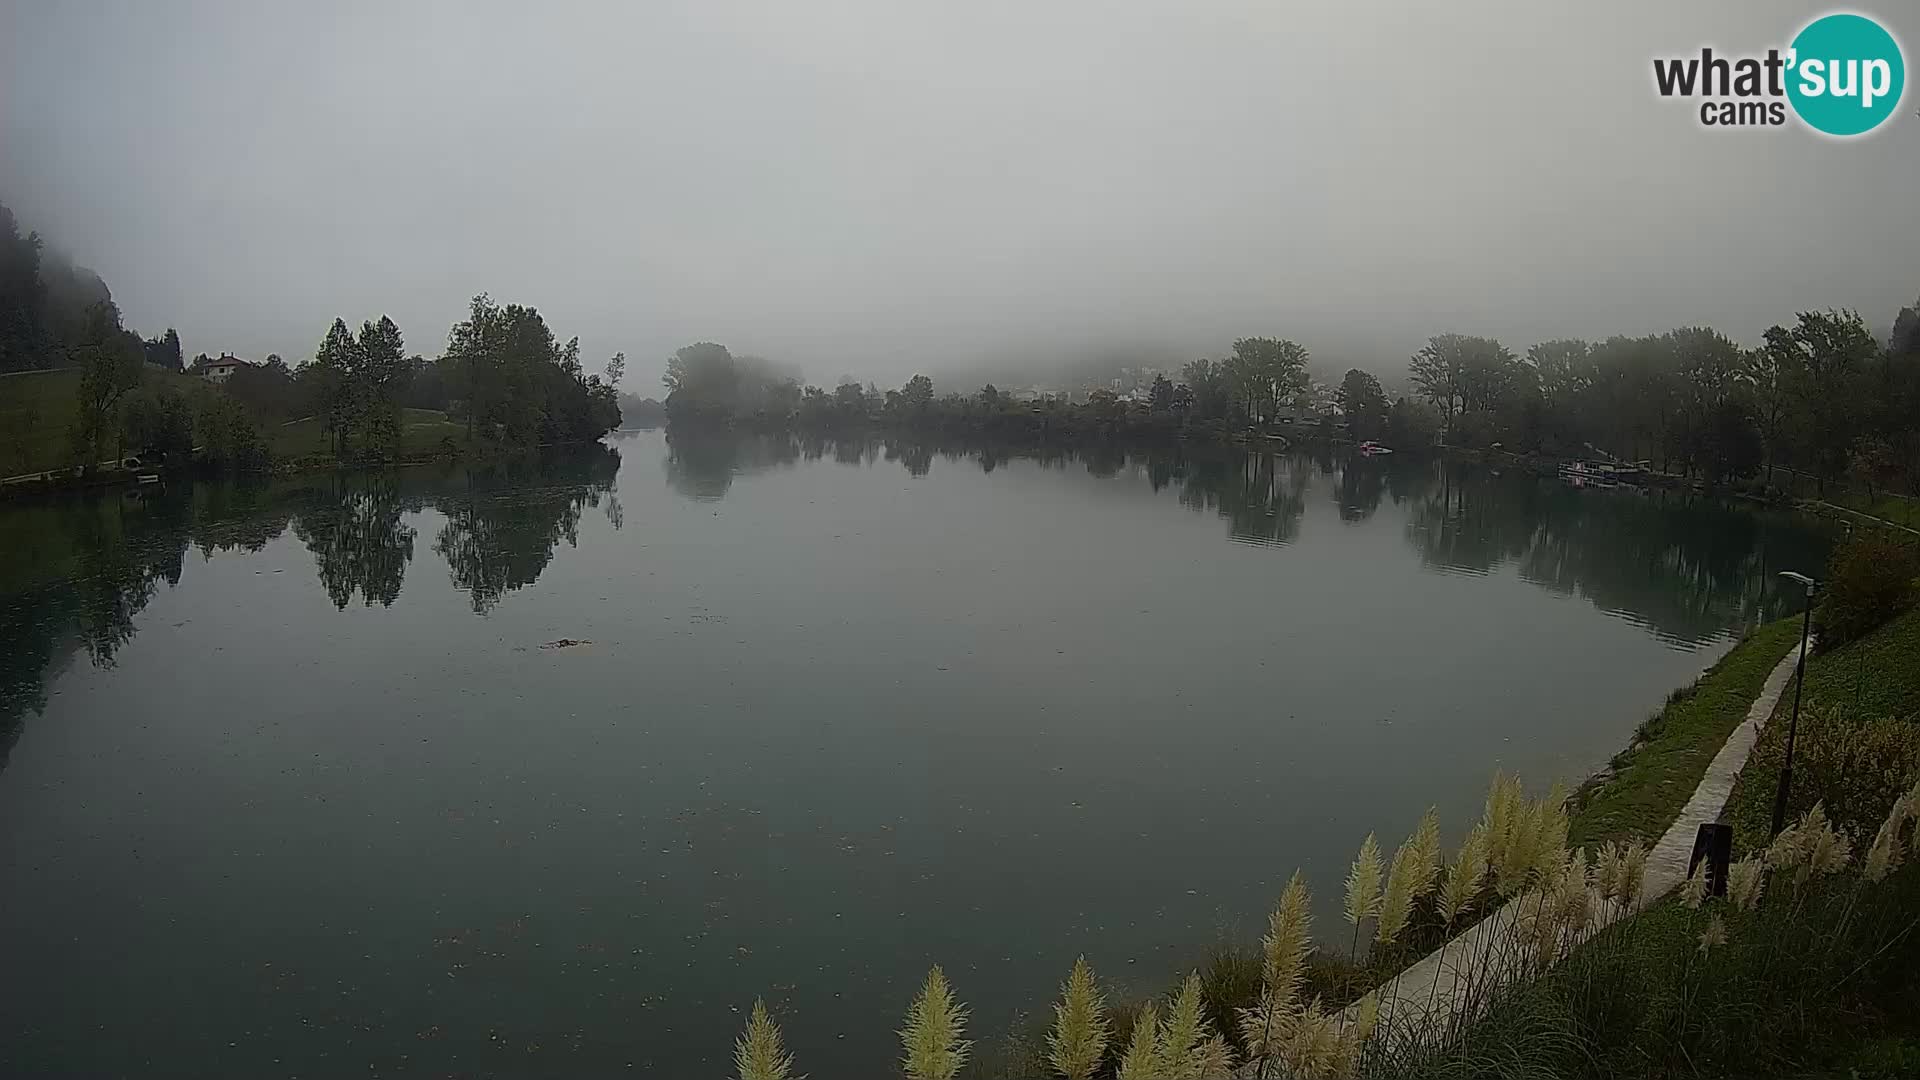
(1642, 789)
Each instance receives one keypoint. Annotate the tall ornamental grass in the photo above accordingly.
(1568, 971)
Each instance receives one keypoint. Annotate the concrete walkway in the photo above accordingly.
(1437, 993)
(1882, 522)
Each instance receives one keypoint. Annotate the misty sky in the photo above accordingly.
(886, 187)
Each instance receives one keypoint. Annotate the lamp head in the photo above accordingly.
(1802, 579)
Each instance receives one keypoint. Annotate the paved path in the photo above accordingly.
(1431, 996)
(1862, 514)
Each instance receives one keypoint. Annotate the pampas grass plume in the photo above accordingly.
(1465, 876)
(1142, 1060)
(1080, 1031)
(1363, 883)
(1396, 903)
(935, 1050)
(1426, 846)
(758, 1054)
(1183, 1034)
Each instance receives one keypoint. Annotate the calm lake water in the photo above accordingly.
(296, 781)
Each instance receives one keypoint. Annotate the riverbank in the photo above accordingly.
(429, 441)
(1076, 427)
(1806, 972)
(1635, 799)
(1847, 515)
(1641, 790)
(1612, 1002)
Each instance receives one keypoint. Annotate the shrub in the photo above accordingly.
(1870, 579)
(1857, 768)
(230, 436)
(158, 423)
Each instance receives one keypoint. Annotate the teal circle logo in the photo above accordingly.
(1846, 75)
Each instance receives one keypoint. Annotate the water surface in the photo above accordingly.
(300, 780)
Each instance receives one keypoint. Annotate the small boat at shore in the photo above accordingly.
(1374, 449)
(1583, 473)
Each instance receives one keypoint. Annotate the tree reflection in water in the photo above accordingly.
(79, 571)
(702, 463)
(502, 529)
(359, 540)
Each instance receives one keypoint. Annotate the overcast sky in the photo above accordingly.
(886, 187)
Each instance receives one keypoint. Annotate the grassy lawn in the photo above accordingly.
(1877, 676)
(36, 409)
(421, 432)
(1900, 511)
(1647, 784)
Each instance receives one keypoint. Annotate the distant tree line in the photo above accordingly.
(503, 375)
(1821, 396)
(1262, 385)
(637, 411)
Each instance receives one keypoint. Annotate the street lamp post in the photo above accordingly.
(1793, 724)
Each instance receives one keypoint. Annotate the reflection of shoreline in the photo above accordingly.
(81, 568)
(1681, 565)
(1688, 569)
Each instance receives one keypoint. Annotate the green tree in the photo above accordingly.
(522, 406)
(1772, 372)
(330, 384)
(701, 378)
(1904, 341)
(165, 351)
(522, 385)
(379, 372)
(1460, 373)
(1492, 378)
(1714, 416)
(1160, 395)
(229, 435)
(1563, 368)
(474, 356)
(851, 400)
(1439, 370)
(916, 396)
(1212, 390)
(1105, 405)
(23, 298)
(1834, 347)
(1363, 403)
(1412, 425)
(158, 424)
(1265, 373)
(110, 369)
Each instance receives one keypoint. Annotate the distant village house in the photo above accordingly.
(219, 371)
